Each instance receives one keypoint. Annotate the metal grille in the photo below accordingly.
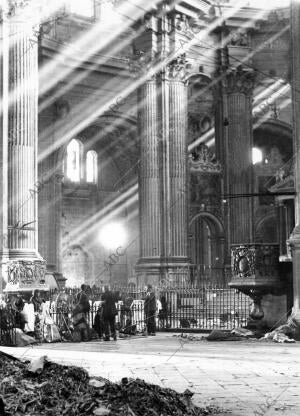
(181, 308)
(203, 308)
(7, 327)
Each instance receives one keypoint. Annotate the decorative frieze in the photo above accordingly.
(25, 274)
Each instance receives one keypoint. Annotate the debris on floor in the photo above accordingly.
(190, 337)
(219, 335)
(278, 335)
(23, 339)
(44, 388)
(243, 332)
(237, 334)
(289, 332)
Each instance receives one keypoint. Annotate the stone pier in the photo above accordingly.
(163, 177)
(22, 266)
(238, 87)
(294, 240)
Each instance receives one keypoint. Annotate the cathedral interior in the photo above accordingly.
(149, 141)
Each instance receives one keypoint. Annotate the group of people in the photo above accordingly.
(104, 322)
(30, 314)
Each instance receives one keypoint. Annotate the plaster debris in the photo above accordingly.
(43, 388)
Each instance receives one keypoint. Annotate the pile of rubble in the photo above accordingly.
(44, 388)
(289, 332)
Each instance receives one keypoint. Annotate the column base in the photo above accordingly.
(23, 271)
(172, 272)
(148, 273)
(295, 235)
(54, 278)
(294, 242)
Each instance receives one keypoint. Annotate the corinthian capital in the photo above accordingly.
(14, 7)
(239, 80)
(142, 63)
(178, 69)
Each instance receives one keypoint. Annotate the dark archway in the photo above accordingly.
(207, 248)
(267, 230)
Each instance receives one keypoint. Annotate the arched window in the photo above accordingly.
(73, 161)
(257, 155)
(91, 166)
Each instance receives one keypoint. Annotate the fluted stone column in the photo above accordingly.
(295, 237)
(4, 37)
(238, 87)
(22, 127)
(23, 187)
(163, 177)
(149, 184)
(176, 167)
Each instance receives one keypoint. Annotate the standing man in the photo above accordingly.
(109, 313)
(81, 315)
(150, 310)
(83, 300)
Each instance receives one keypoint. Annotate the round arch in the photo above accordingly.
(77, 266)
(266, 229)
(207, 247)
(274, 133)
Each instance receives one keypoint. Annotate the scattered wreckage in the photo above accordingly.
(43, 388)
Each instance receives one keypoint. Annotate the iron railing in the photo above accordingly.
(204, 308)
(187, 308)
(7, 326)
(180, 308)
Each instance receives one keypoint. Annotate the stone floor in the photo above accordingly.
(242, 377)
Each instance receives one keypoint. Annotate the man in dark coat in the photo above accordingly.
(109, 313)
(83, 299)
(98, 322)
(81, 316)
(150, 310)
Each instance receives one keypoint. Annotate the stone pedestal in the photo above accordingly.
(22, 182)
